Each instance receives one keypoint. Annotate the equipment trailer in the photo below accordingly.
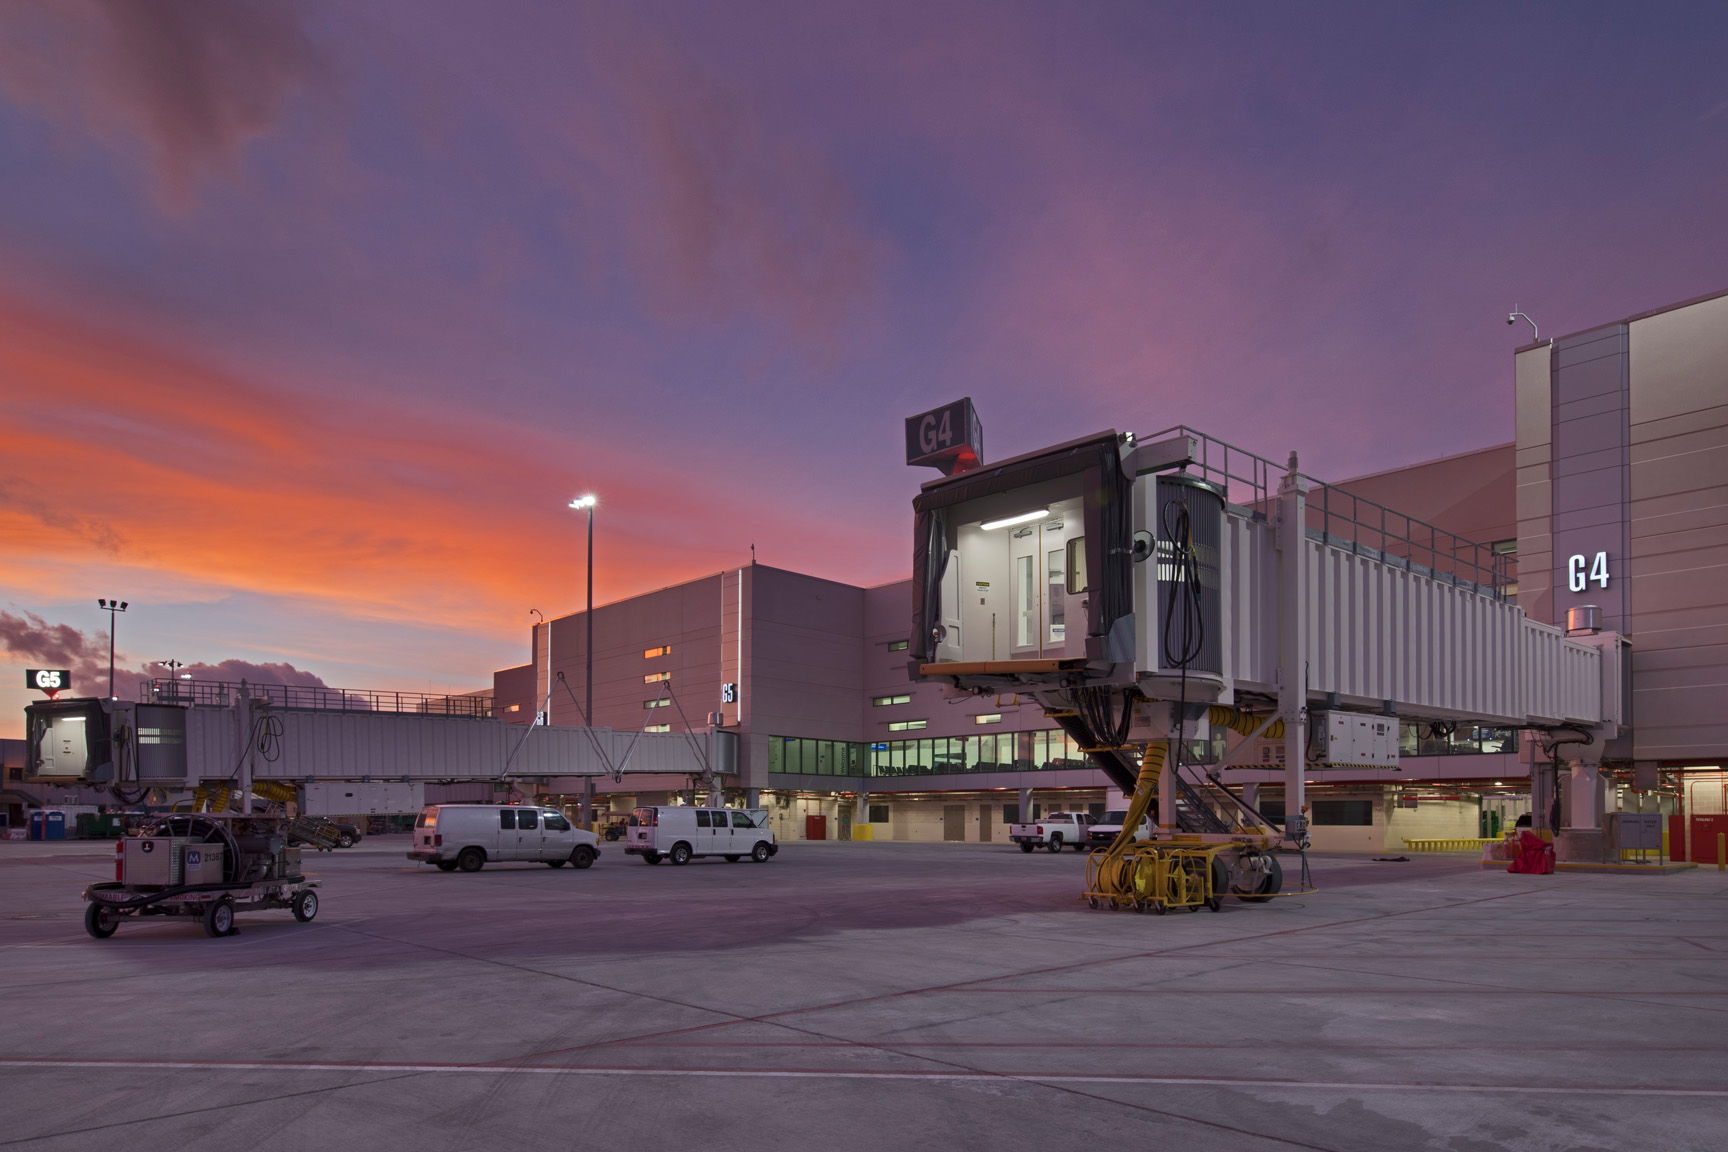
(205, 866)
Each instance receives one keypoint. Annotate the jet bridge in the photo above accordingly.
(183, 734)
(1144, 590)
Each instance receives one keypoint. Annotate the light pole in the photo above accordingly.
(112, 607)
(548, 697)
(581, 502)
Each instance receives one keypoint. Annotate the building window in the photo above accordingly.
(663, 650)
(661, 703)
(656, 677)
(906, 725)
(514, 708)
(796, 755)
(1505, 547)
(878, 813)
(988, 718)
(897, 645)
(1353, 812)
(657, 728)
(885, 701)
(1442, 739)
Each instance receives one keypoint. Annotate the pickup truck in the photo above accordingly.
(1100, 835)
(1053, 831)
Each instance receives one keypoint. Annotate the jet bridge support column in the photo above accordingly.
(1293, 645)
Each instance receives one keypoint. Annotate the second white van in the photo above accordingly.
(471, 836)
(681, 834)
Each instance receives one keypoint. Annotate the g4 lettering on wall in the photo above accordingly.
(1579, 577)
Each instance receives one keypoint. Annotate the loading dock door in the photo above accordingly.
(954, 822)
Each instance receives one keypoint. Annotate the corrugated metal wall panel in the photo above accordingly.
(1377, 632)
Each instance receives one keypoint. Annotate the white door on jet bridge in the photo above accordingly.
(948, 647)
(1038, 577)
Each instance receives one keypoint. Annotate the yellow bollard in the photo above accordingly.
(1722, 851)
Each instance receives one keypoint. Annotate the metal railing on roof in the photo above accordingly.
(165, 690)
(1344, 520)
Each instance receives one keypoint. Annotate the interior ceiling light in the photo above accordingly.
(1020, 519)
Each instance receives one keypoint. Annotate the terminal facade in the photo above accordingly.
(1614, 494)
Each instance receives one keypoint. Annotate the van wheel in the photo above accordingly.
(1055, 844)
(1025, 847)
(446, 865)
(680, 853)
(471, 860)
(556, 863)
(651, 857)
(760, 852)
(734, 858)
(582, 857)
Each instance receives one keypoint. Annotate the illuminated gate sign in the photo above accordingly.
(49, 680)
(1578, 578)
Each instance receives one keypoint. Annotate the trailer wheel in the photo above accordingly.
(304, 905)
(680, 853)
(761, 852)
(1055, 844)
(100, 921)
(471, 860)
(1025, 847)
(219, 917)
(583, 856)
(446, 865)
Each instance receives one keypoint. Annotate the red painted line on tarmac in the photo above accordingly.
(844, 1074)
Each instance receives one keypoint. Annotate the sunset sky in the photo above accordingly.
(314, 316)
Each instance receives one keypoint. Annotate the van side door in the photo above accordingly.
(506, 845)
(744, 834)
(723, 833)
(528, 834)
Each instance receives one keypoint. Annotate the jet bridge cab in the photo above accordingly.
(1035, 572)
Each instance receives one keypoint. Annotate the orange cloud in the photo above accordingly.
(121, 453)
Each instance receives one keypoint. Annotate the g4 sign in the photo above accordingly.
(1578, 578)
(949, 438)
(48, 679)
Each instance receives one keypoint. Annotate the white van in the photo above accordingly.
(677, 834)
(471, 836)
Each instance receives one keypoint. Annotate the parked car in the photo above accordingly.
(681, 834)
(1101, 834)
(1053, 831)
(471, 836)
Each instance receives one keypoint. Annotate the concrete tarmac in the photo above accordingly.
(868, 996)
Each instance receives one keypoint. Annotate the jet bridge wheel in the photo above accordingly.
(1271, 881)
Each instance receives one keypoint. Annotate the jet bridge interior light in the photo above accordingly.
(1023, 518)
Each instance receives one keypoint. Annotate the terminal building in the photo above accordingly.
(1606, 511)
(1612, 497)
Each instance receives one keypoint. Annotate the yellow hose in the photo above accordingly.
(1242, 723)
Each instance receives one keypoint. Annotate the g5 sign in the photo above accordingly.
(48, 679)
(1578, 579)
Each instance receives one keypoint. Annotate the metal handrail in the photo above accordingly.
(1344, 520)
(165, 690)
